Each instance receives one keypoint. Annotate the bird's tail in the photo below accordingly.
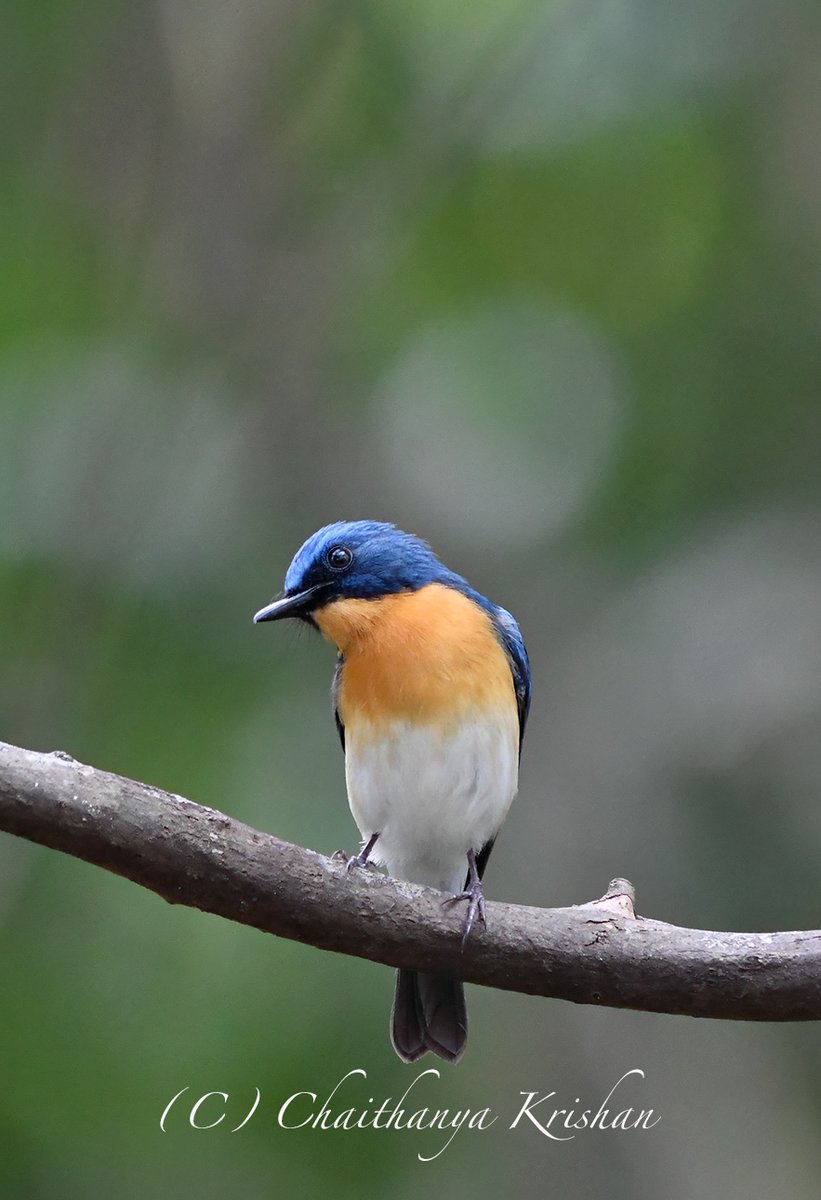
(428, 1014)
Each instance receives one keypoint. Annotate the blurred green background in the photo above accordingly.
(540, 282)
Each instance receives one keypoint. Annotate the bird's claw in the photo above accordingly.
(362, 859)
(475, 897)
(349, 861)
(353, 861)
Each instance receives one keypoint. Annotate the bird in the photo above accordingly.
(431, 695)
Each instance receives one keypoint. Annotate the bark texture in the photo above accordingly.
(594, 953)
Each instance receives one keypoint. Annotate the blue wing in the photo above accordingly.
(510, 635)
(514, 646)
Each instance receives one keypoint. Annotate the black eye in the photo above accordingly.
(339, 557)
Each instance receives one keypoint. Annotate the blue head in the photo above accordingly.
(359, 560)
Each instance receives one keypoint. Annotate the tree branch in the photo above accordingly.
(596, 953)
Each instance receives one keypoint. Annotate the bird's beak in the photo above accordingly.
(297, 605)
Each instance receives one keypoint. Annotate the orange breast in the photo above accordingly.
(427, 656)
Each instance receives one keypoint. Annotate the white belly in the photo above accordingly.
(432, 796)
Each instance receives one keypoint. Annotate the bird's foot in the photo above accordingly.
(362, 859)
(355, 861)
(475, 897)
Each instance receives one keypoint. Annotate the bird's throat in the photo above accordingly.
(351, 622)
(424, 655)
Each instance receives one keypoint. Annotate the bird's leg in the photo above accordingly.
(361, 859)
(474, 895)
